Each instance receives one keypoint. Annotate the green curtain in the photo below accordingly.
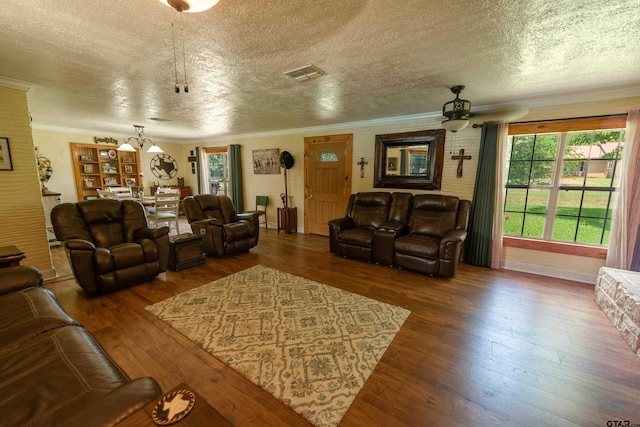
(403, 162)
(198, 170)
(235, 160)
(479, 233)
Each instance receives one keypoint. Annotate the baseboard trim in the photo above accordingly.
(551, 272)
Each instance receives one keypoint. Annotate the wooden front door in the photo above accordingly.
(327, 180)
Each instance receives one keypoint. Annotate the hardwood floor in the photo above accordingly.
(488, 348)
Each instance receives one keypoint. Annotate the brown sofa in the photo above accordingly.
(424, 233)
(52, 371)
(224, 232)
(109, 243)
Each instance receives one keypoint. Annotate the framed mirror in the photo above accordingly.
(410, 160)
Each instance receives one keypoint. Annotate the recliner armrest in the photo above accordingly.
(79, 245)
(451, 243)
(393, 226)
(16, 278)
(249, 216)
(117, 405)
(151, 233)
(455, 236)
(340, 224)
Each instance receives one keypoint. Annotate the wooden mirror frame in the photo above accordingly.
(432, 181)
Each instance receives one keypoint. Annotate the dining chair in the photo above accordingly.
(104, 194)
(166, 208)
(122, 193)
(262, 202)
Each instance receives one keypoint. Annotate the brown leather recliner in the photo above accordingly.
(224, 232)
(109, 244)
(352, 235)
(437, 228)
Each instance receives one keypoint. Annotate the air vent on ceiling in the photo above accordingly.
(307, 72)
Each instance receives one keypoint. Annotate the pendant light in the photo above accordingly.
(140, 140)
(191, 6)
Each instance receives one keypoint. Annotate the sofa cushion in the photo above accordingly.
(357, 236)
(418, 245)
(28, 313)
(433, 215)
(53, 375)
(371, 209)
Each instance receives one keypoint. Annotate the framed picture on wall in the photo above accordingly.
(130, 182)
(128, 169)
(266, 161)
(87, 168)
(5, 155)
(392, 164)
(110, 181)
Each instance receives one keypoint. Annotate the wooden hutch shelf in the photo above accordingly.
(98, 167)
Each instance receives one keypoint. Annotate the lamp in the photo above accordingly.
(457, 111)
(191, 6)
(140, 140)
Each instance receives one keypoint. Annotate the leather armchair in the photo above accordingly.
(109, 244)
(436, 231)
(352, 235)
(225, 232)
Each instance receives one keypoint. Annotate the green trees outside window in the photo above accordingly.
(560, 186)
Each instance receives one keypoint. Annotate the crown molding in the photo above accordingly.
(14, 84)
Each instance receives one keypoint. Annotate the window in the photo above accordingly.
(561, 179)
(218, 171)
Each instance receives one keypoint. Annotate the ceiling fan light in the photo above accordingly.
(155, 149)
(126, 147)
(191, 6)
(454, 125)
(457, 108)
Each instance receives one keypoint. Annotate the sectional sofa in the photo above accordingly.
(52, 371)
(423, 233)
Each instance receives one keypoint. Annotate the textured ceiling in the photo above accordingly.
(106, 65)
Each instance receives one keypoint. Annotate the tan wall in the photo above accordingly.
(363, 146)
(21, 211)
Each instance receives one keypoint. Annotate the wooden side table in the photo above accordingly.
(185, 250)
(288, 220)
(202, 414)
(10, 256)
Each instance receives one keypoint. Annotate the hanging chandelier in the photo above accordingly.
(140, 140)
(191, 6)
(457, 111)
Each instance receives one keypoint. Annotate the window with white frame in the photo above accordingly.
(561, 181)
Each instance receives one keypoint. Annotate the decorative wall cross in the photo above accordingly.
(362, 163)
(460, 158)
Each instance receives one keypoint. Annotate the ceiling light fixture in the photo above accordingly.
(191, 6)
(140, 140)
(457, 111)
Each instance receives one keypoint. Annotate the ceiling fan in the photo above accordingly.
(458, 112)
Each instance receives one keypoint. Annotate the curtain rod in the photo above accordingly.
(479, 125)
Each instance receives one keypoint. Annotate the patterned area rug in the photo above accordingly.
(309, 345)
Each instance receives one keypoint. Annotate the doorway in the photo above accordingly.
(327, 180)
(215, 167)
